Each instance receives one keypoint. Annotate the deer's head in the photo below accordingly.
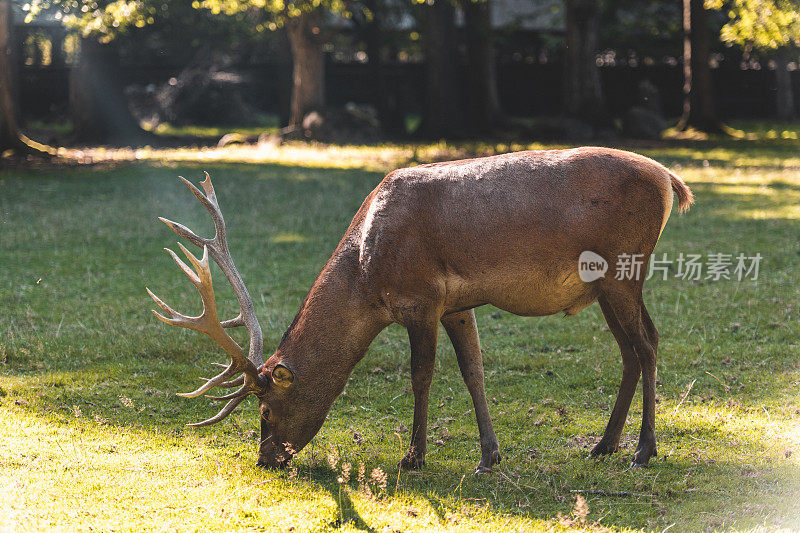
(290, 412)
(290, 416)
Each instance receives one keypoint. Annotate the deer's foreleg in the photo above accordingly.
(423, 336)
(463, 332)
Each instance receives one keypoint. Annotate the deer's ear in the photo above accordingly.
(282, 376)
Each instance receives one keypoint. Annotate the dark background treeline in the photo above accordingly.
(366, 69)
(527, 90)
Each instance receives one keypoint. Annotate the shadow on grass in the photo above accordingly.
(348, 514)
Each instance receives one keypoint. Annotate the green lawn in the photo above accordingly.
(92, 435)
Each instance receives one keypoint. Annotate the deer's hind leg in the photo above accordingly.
(624, 301)
(631, 371)
(463, 332)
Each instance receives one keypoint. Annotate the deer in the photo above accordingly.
(427, 246)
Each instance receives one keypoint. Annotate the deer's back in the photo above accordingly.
(508, 229)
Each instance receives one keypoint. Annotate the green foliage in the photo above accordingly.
(93, 437)
(761, 24)
(157, 31)
(279, 10)
(104, 20)
(650, 28)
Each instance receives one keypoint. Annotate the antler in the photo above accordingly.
(208, 321)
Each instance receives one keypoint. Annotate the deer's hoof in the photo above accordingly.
(485, 466)
(603, 448)
(412, 462)
(494, 458)
(642, 455)
(270, 465)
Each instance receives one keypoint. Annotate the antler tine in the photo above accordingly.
(209, 199)
(225, 411)
(185, 232)
(232, 395)
(174, 319)
(207, 322)
(233, 322)
(236, 382)
(209, 188)
(202, 280)
(216, 381)
(183, 266)
(232, 383)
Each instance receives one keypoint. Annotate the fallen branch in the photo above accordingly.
(620, 494)
(685, 394)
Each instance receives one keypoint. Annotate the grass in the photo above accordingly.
(93, 437)
(261, 124)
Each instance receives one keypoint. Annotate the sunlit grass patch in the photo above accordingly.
(101, 477)
(264, 125)
(289, 237)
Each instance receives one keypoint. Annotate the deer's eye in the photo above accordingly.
(265, 413)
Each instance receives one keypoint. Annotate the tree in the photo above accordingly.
(9, 134)
(482, 100)
(699, 111)
(110, 28)
(97, 103)
(308, 59)
(648, 29)
(451, 107)
(442, 115)
(583, 93)
(372, 24)
(98, 107)
(304, 21)
(771, 28)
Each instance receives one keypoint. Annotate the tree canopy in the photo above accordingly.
(761, 24)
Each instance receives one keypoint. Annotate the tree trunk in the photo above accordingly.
(98, 107)
(784, 97)
(583, 94)
(9, 134)
(699, 111)
(442, 116)
(58, 58)
(484, 104)
(308, 76)
(283, 73)
(383, 96)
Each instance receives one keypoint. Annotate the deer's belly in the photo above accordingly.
(524, 295)
(538, 305)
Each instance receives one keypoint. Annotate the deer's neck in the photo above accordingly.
(334, 327)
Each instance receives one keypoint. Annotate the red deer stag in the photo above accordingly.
(428, 245)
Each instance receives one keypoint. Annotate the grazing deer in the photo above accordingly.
(428, 245)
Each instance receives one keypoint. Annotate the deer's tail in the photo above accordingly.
(682, 191)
